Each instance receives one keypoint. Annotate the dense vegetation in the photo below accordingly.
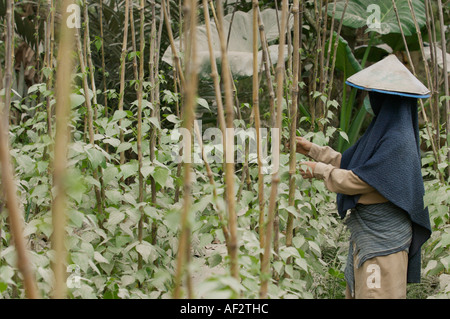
(106, 181)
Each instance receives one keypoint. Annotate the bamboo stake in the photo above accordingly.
(7, 170)
(233, 86)
(220, 112)
(322, 69)
(427, 72)
(9, 58)
(422, 107)
(293, 127)
(103, 64)
(89, 59)
(122, 74)
(156, 107)
(176, 58)
(188, 121)
(229, 139)
(139, 128)
(267, 68)
(445, 71)
(327, 62)
(434, 70)
(90, 123)
(133, 45)
(275, 175)
(256, 24)
(48, 63)
(62, 136)
(333, 63)
(318, 49)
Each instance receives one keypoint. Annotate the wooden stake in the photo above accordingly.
(277, 140)
(188, 121)
(293, 127)
(63, 90)
(229, 139)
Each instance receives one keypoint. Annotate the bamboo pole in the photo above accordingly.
(220, 112)
(275, 140)
(434, 69)
(293, 127)
(267, 68)
(48, 63)
(428, 76)
(330, 74)
(327, 62)
(229, 139)
(133, 45)
(102, 48)
(62, 136)
(123, 57)
(9, 58)
(188, 121)
(233, 86)
(155, 113)
(445, 71)
(7, 171)
(90, 120)
(422, 107)
(89, 59)
(139, 128)
(256, 113)
(176, 58)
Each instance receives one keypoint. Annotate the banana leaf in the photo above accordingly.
(362, 13)
(351, 119)
(240, 51)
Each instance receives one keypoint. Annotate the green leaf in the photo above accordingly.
(214, 260)
(203, 102)
(112, 141)
(315, 248)
(99, 258)
(172, 118)
(123, 147)
(301, 263)
(154, 121)
(110, 174)
(160, 175)
(344, 135)
(115, 217)
(96, 158)
(113, 195)
(76, 218)
(146, 170)
(129, 169)
(119, 115)
(145, 249)
(76, 100)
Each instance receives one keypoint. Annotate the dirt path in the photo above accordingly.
(201, 271)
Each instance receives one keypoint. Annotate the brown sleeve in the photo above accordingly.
(341, 180)
(325, 154)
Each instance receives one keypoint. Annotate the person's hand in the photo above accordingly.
(303, 145)
(307, 169)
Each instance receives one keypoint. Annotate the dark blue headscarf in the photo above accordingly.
(387, 157)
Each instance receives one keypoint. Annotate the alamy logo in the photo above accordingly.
(374, 19)
(374, 279)
(239, 144)
(73, 281)
(74, 18)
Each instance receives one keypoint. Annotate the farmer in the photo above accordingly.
(379, 185)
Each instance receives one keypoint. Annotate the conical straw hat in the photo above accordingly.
(389, 76)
